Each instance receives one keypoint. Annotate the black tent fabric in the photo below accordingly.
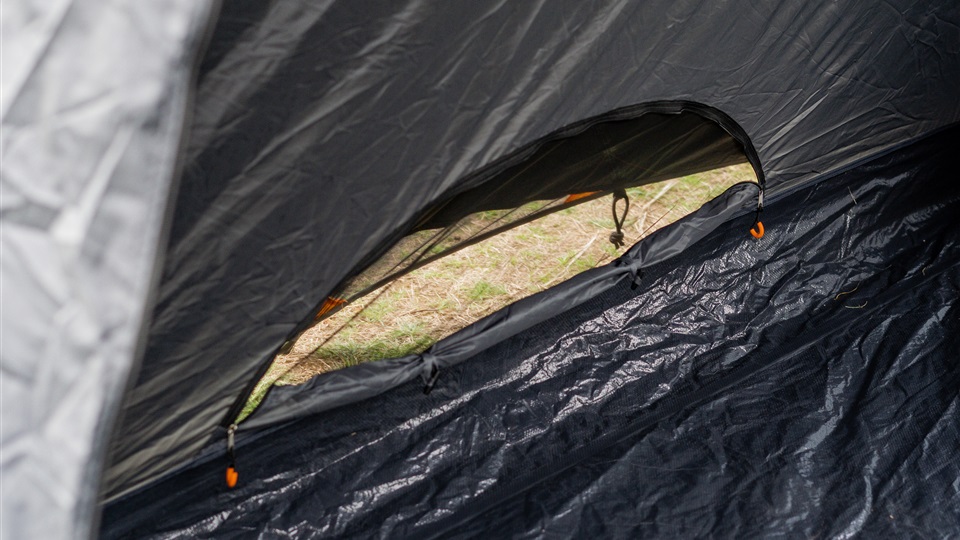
(183, 185)
(319, 134)
(806, 384)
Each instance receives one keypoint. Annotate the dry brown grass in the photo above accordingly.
(411, 313)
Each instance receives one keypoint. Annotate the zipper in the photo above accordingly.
(479, 177)
(232, 475)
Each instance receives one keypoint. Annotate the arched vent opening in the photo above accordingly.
(519, 226)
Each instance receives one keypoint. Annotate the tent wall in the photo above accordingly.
(94, 97)
(320, 130)
(803, 385)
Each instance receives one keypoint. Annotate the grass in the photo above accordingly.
(483, 290)
(416, 310)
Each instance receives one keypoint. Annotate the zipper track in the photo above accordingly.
(485, 174)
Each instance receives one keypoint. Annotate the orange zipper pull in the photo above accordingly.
(232, 477)
(757, 230)
(232, 474)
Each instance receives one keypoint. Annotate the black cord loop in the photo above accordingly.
(616, 237)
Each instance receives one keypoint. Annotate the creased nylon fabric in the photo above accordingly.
(321, 128)
(806, 385)
(94, 96)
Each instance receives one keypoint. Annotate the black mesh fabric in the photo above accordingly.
(805, 384)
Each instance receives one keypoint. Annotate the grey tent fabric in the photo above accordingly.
(373, 111)
(94, 100)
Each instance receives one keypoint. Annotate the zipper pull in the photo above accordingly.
(232, 474)
(757, 230)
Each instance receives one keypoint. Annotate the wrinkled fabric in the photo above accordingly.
(321, 130)
(803, 385)
(94, 97)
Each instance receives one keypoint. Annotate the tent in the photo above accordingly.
(186, 183)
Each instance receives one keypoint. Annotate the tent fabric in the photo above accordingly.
(806, 384)
(371, 112)
(94, 98)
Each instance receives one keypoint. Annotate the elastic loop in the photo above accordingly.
(616, 237)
